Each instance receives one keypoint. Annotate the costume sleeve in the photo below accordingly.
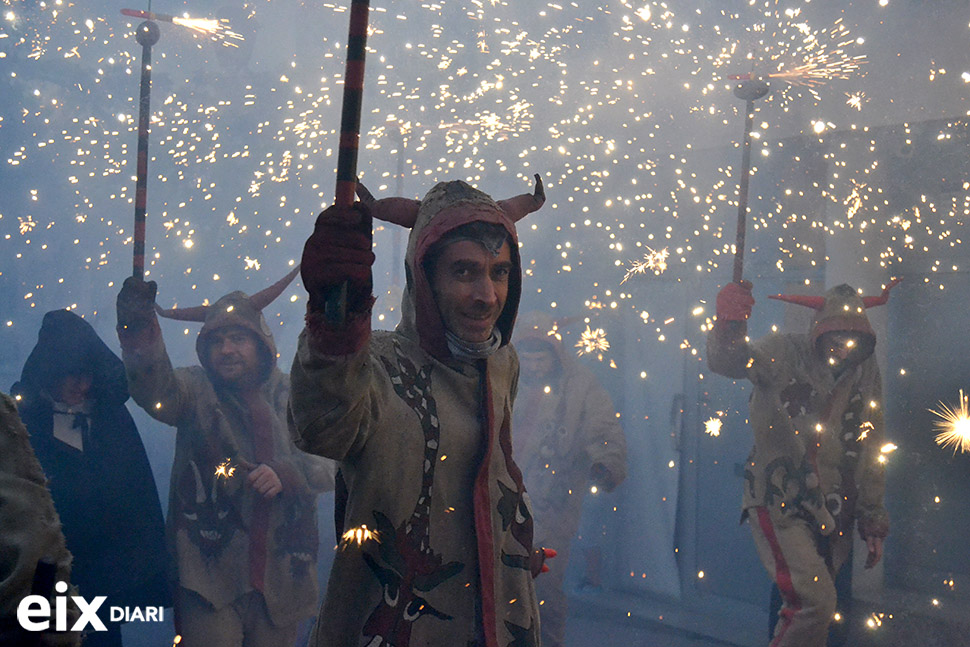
(605, 442)
(871, 481)
(30, 529)
(154, 385)
(305, 472)
(727, 349)
(333, 400)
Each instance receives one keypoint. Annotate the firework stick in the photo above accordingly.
(335, 306)
(147, 35)
(749, 90)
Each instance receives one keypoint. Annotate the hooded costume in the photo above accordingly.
(563, 426)
(227, 539)
(423, 439)
(30, 532)
(101, 480)
(814, 469)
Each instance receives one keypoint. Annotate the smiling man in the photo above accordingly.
(420, 419)
(242, 514)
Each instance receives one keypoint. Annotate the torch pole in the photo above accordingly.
(147, 35)
(335, 306)
(750, 90)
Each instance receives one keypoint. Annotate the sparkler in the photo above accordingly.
(358, 536)
(147, 34)
(225, 469)
(953, 425)
(653, 260)
(713, 426)
(593, 341)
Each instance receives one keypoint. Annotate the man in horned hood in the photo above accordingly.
(242, 515)
(438, 548)
(815, 470)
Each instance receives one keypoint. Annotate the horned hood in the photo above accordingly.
(447, 206)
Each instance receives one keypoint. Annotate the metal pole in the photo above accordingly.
(749, 90)
(147, 35)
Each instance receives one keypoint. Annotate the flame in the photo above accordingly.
(225, 469)
(358, 536)
(953, 425)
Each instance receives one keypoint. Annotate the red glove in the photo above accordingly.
(338, 252)
(734, 302)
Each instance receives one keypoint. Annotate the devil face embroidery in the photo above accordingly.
(406, 570)
(517, 516)
(297, 535)
(208, 510)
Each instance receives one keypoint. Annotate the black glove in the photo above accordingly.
(136, 304)
(338, 252)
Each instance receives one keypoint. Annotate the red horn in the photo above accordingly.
(880, 300)
(266, 296)
(816, 303)
(400, 211)
(521, 206)
(196, 313)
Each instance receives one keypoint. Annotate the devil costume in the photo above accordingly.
(421, 426)
(31, 540)
(565, 428)
(815, 468)
(98, 471)
(234, 548)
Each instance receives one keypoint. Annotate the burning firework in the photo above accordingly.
(953, 425)
(225, 469)
(593, 341)
(654, 261)
(358, 536)
(217, 30)
(713, 427)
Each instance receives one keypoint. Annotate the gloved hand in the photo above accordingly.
(339, 251)
(734, 302)
(136, 304)
(538, 561)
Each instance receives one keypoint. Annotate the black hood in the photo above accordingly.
(67, 345)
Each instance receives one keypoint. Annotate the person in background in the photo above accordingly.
(32, 547)
(439, 546)
(816, 411)
(71, 396)
(242, 514)
(567, 438)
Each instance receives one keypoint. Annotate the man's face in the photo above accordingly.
(73, 390)
(470, 287)
(838, 348)
(234, 355)
(536, 365)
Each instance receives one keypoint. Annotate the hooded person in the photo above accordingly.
(438, 548)
(35, 556)
(567, 436)
(242, 515)
(71, 396)
(816, 411)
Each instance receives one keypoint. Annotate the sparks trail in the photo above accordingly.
(216, 29)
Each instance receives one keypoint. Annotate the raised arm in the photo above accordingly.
(332, 380)
(728, 352)
(153, 383)
(605, 442)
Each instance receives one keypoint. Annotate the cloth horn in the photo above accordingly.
(266, 296)
(816, 303)
(521, 206)
(880, 300)
(196, 313)
(400, 211)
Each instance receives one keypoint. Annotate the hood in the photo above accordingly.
(66, 345)
(446, 207)
(842, 309)
(539, 327)
(236, 309)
